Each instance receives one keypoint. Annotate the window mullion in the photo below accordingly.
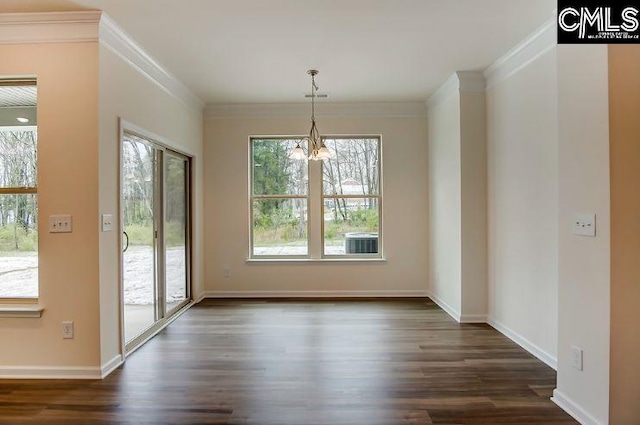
(315, 210)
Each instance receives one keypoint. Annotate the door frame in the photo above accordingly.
(162, 145)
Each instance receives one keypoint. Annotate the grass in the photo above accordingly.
(10, 236)
(143, 235)
(334, 233)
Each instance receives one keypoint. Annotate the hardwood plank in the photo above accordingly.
(311, 362)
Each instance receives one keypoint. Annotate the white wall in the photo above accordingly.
(523, 204)
(127, 94)
(405, 227)
(584, 262)
(445, 185)
(457, 188)
(473, 216)
(548, 141)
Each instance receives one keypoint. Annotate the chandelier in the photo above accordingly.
(318, 150)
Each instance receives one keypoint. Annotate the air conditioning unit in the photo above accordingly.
(361, 243)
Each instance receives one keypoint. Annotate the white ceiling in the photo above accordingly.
(258, 51)
(16, 96)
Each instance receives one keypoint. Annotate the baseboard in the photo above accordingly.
(315, 294)
(455, 314)
(200, 297)
(572, 408)
(514, 336)
(50, 372)
(110, 366)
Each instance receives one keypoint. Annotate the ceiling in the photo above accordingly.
(18, 101)
(258, 51)
(17, 96)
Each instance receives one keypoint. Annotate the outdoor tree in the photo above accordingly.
(18, 169)
(353, 160)
(271, 174)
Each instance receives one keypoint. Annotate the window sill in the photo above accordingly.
(308, 261)
(27, 311)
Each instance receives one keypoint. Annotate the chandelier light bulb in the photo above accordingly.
(298, 153)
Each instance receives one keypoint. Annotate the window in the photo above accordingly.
(279, 200)
(18, 190)
(347, 202)
(351, 197)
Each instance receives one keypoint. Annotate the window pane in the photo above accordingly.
(18, 158)
(352, 168)
(351, 226)
(280, 227)
(18, 246)
(274, 173)
(175, 230)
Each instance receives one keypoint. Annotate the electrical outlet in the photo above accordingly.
(67, 330)
(576, 357)
(107, 222)
(60, 224)
(227, 272)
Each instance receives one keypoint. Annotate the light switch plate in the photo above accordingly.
(107, 222)
(584, 224)
(60, 224)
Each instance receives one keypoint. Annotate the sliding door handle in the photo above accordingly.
(127, 245)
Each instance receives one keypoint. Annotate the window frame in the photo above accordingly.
(378, 197)
(315, 217)
(24, 190)
(253, 198)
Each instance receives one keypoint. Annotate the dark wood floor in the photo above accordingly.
(360, 362)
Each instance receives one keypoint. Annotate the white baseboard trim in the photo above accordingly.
(199, 298)
(455, 314)
(315, 294)
(50, 372)
(514, 336)
(572, 408)
(110, 366)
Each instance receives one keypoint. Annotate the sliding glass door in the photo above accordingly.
(155, 234)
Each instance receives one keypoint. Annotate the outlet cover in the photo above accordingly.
(576, 357)
(67, 330)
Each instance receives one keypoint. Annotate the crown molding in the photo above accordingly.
(446, 90)
(116, 40)
(49, 27)
(92, 26)
(335, 109)
(539, 42)
(458, 82)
